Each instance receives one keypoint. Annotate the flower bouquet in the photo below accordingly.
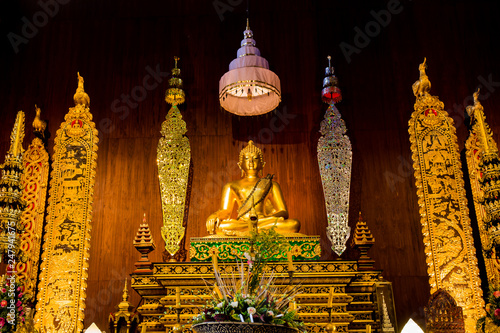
(491, 322)
(252, 296)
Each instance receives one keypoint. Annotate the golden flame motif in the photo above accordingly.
(449, 248)
(61, 290)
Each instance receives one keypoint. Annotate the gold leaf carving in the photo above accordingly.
(61, 290)
(449, 248)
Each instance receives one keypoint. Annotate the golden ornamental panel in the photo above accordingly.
(173, 158)
(61, 290)
(479, 144)
(35, 180)
(447, 234)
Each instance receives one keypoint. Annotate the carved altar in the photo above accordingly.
(352, 294)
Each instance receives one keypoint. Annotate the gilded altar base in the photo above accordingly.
(232, 248)
(353, 294)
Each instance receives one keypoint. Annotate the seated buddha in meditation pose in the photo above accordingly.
(259, 200)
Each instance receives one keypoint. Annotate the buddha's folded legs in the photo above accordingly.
(241, 227)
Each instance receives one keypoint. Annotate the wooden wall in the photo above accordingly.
(115, 44)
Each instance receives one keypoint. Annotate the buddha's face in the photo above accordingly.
(251, 163)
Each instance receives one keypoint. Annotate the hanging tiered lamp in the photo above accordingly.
(249, 88)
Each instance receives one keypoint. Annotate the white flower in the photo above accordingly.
(248, 301)
(234, 304)
(270, 313)
(247, 255)
(220, 305)
(251, 310)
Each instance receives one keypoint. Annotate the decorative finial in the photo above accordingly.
(125, 292)
(17, 136)
(471, 109)
(144, 243)
(422, 86)
(248, 35)
(331, 93)
(476, 99)
(174, 94)
(39, 125)
(363, 240)
(144, 219)
(80, 97)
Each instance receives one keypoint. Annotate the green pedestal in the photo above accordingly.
(232, 248)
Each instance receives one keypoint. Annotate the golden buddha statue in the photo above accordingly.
(260, 201)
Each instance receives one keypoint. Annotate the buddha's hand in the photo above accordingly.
(212, 223)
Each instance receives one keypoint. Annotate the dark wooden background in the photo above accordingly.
(113, 43)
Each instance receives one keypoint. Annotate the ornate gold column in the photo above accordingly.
(174, 158)
(449, 248)
(61, 290)
(484, 172)
(11, 203)
(34, 185)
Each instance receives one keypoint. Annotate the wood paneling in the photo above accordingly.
(115, 45)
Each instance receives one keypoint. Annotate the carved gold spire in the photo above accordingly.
(174, 94)
(11, 203)
(17, 137)
(483, 163)
(66, 251)
(363, 240)
(124, 320)
(144, 243)
(446, 227)
(125, 304)
(174, 158)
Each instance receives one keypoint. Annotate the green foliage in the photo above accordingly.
(492, 308)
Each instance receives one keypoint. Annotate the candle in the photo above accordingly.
(330, 297)
(218, 292)
(215, 262)
(290, 261)
(178, 297)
